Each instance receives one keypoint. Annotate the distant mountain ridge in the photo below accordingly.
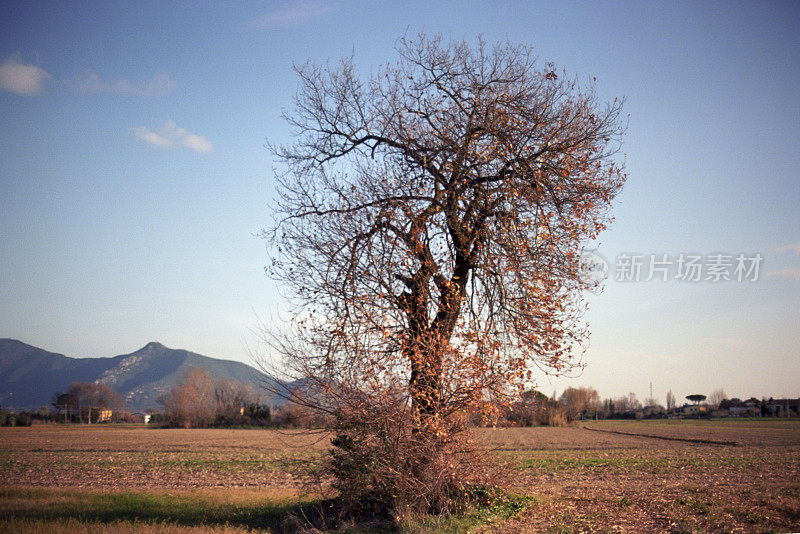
(29, 375)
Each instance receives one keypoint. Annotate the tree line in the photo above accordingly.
(200, 400)
(534, 408)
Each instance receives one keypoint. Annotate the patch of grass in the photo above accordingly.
(597, 461)
(73, 526)
(501, 508)
(38, 506)
(223, 511)
(605, 463)
(746, 515)
(577, 463)
(695, 505)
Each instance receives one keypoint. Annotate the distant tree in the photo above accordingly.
(45, 414)
(232, 397)
(729, 403)
(14, 419)
(670, 400)
(258, 414)
(627, 404)
(295, 415)
(651, 402)
(64, 399)
(199, 399)
(96, 395)
(696, 398)
(22, 419)
(534, 408)
(716, 398)
(576, 400)
(524, 411)
(84, 399)
(193, 401)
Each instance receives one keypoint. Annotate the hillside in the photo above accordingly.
(29, 375)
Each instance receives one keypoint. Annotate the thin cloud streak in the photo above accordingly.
(90, 82)
(22, 79)
(293, 14)
(171, 136)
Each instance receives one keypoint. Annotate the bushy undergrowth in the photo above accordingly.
(382, 465)
(14, 419)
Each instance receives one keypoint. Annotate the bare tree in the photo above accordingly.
(430, 222)
(232, 397)
(627, 404)
(716, 397)
(83, 397)
(97, 395)
(429, 229)
(193, 401)
(670, 400)
(576, 400)
(200, 399)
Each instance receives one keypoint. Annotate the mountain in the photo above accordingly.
(29, 376)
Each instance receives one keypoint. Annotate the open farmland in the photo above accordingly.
(607, 480)
(670, 476)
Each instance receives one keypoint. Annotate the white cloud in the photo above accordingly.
(172, 135)
(294, 13)
(786, 274)
(198, 143)
(794, 247)
(30, 80)
(22, 79)
(90, 82)
(152, 138)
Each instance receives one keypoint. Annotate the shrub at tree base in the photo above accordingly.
(384, 467)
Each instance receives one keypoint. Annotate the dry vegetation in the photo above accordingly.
(109, 478)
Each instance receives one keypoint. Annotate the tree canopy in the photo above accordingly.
(431, 218)
(696, 398)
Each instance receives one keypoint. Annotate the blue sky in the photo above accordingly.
(134, 174)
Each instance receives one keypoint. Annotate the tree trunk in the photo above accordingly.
(426, 372)
(426, 351)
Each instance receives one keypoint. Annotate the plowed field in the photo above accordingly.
(663, 476)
